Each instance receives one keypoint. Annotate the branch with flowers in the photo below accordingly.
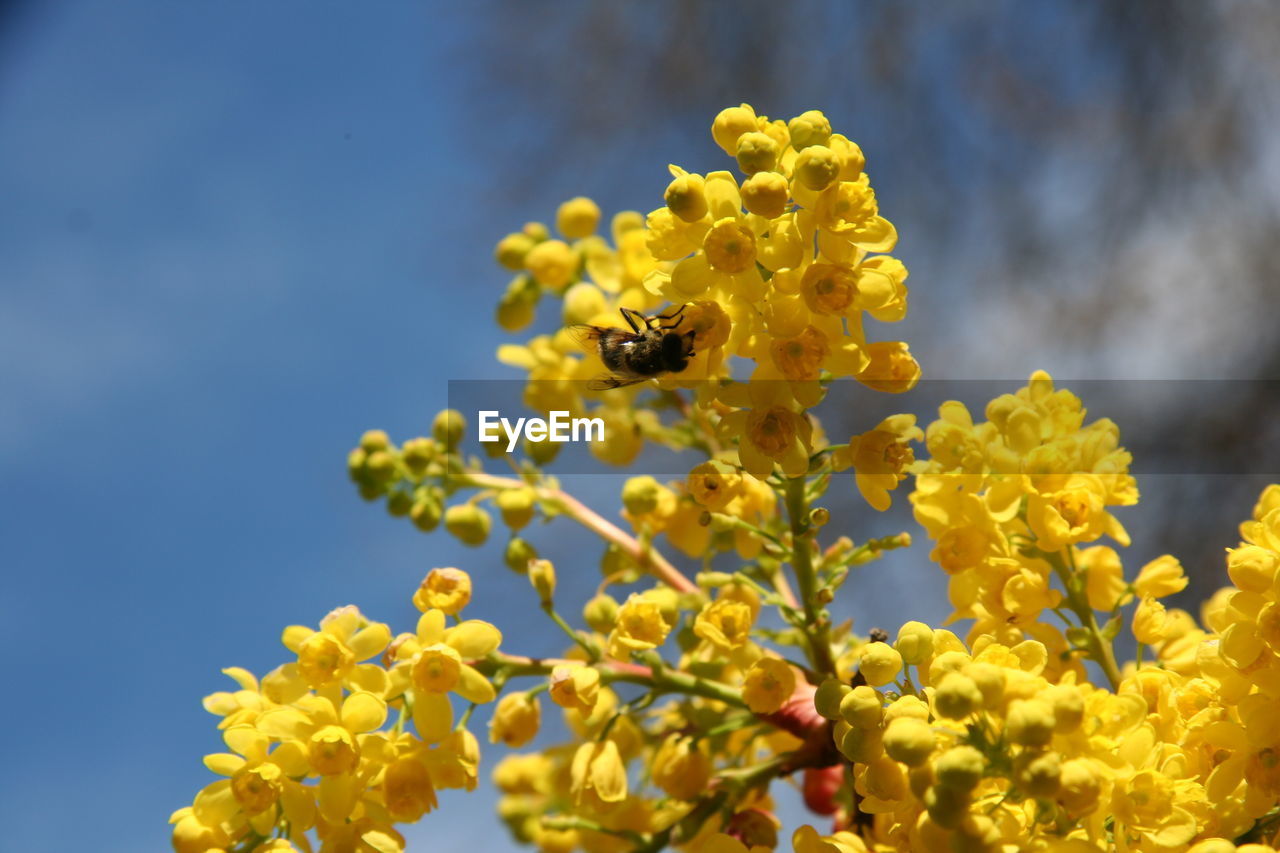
(690, 693)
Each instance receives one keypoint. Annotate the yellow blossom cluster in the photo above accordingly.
(713, 657)
(309, 749)
(777, 267)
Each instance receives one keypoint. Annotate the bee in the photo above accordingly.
(652, 347)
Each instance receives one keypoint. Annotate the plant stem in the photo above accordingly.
(806, 578)
(645, 556)
(1100, 649)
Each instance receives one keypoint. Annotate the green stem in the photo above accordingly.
(593, 652)
(806, 578)
(1100, 649)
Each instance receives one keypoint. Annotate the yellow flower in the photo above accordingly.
(575, 687)
(725, 623)
(768, 685)
(331, 655)
(436, 658)
(407, 789)
(880, 458)
(681, 767)
(598, 772)
(640, 626)
(448, 590)
(516, 719)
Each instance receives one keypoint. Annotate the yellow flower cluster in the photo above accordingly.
(1008, 500)
(776, 267)
(685, 698)
(308, 751)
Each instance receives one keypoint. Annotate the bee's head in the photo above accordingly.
(677, 349)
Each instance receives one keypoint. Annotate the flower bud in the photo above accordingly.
(542, 452)
(576, 687)
(577, 218)
(374, 440)
(811, 127)
(448, 429)
(879, 663)
(516, 719)
(1251, 568)
(686, 197)
(1150, 622)
(946, 806)
(1068, 707)
(1030, 722)
(757, 152)
(582, 302)
(425, 512)
(862, 707)
(766, 194)
(542, 574)
(828, 697)
(861, 745)
(518, 554)
(730, 124)
(600, 613)
(1161, 577)
(517, 506)
(552, 264)
(957, 696)
(640, 494)
(960, 767)
(511, 250)
(915, 642)
(469, 523)
(909, 740)
(1038, 773)
(817, 167)
(518, 305)
(399, 502)
(417, 454)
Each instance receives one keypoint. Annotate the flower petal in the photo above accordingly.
(432, 715)
(363, 712)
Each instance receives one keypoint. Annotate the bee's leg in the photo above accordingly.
(631, 316)
(677, 315)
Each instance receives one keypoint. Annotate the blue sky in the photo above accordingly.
(232, 237)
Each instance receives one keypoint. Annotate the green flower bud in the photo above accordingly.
(418, 454)
(827, 698)
(957, 696)
(909, 740)
(425, 512)
(640, 494)
(862, 707)
(600, 613)
(915, 643)
(517, 506)
(960, 767)
(399, 502)
(518, 554)
(469, 523)
(448, 429)
(355, 464)
(542, 574)
(1030, 722)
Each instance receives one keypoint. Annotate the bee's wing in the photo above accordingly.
(588, 337)
(608, 382)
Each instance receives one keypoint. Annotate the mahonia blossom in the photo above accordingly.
(683, 698)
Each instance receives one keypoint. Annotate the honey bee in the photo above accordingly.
(652, 347)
